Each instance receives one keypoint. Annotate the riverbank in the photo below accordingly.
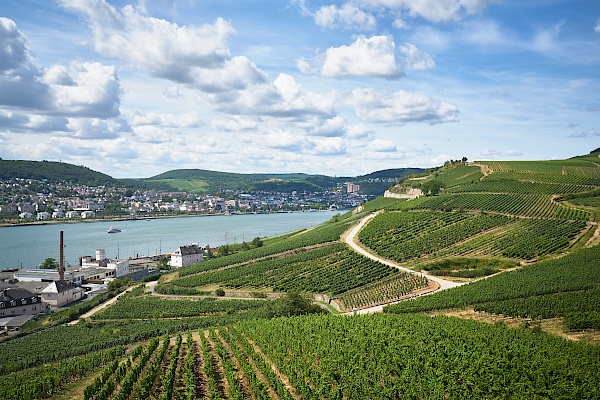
(121, 219)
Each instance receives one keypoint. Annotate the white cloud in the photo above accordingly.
(172, 92)
(597, 27)
(329, 146)
(398, 108)
(95, 128)
(545, 40)
(85, 89)
(54, 100)
(439, 160)
(399, 23)
(304, 67)
(283, 140)
(152, 134)
(194, 55)
(20, 84)
(433, 10)
(374, 56)
(416, 59)
(382, 146)
(333, 127)
(586, 134)
(185, 120)
(506, 153)
(233, 124)
(348, 16)
(359, 132)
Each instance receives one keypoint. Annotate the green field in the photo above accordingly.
(521, 237)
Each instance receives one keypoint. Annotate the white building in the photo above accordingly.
(43, 216)
(121, 267)
(47, 275)
(88, 214)
(186, 255)
(72, 214)
(61, 293)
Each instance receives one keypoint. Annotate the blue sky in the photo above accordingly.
(136, 88)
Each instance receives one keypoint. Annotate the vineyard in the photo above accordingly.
(377, 357)
(554, 288)
(331, 269)
(401, 236)
(529, 228)
(528, 205)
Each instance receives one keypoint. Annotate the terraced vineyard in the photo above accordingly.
(529, 291)
(331, 269)
(531, 225)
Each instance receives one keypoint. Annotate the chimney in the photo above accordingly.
(61, 262)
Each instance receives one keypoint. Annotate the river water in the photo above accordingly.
(28, 246)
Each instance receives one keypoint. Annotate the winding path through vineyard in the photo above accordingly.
(350, 240)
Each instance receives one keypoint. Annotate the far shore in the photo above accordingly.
(141, 218)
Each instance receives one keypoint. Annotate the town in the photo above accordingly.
(28, 200)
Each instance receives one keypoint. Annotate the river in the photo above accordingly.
(29, 245)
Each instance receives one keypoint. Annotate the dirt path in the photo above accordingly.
(485, 170)
(350, 239)
(108, 303)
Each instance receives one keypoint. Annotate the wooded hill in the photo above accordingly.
(201, 181)
(53, 172)
(204, 181)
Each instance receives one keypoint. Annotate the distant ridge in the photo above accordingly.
(53, 171)
(201, 181)
(198, 180)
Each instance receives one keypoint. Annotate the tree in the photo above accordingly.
(223, 250)
(432, 187)
(257, 242)
(291, 304)
(209, 253)
(49, 263)
(163, 263)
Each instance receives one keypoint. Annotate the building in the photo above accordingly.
(61, 293)
(88, 214)
(121, 267)
(72, 214)
(43, 215)
(186, 255)
(17, 301)
(352, 188)
(47, 275)
(9, 208)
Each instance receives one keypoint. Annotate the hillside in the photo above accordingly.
(528, 330)
(53, 172)
(204, 181)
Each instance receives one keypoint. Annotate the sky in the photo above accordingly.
(341, 88)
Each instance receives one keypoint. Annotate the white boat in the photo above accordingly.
(113, 230)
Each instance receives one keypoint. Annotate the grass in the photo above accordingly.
(187, 185)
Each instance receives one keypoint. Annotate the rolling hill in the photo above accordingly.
(53, 172)
(204, 181)
(528, 330)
